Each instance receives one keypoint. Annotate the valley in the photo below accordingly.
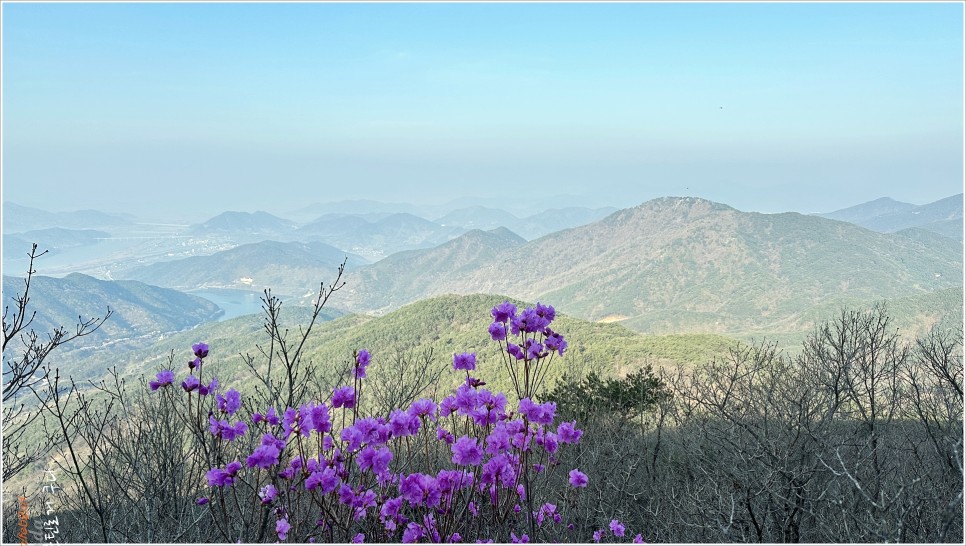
(670, 266)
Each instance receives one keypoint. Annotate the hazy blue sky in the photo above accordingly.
(208, 107)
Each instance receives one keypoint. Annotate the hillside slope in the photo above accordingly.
(687, 264)
(445, 325)
(289, 268)
(141, 312)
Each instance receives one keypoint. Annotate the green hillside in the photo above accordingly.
(141, 312)
(445, 325)
(288, 268)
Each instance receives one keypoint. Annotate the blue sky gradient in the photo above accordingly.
(183, 108)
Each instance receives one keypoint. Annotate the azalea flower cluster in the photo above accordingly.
(459, 469)
(528, 343)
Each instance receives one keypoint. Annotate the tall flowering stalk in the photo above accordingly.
(528, 344)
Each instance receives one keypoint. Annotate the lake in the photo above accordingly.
(234, 303)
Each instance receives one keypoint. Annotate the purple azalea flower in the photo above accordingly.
(264, 456)
(454, 538)
(499, 470)
(550, 442)
(230, 403)
(164, 378)
(227, 431)
(377, 460)
(362, 360)
(420, 489)
(326, 479)
(444, 435)
(344, 397)
(233, 468)
(453, 480)
(353, 438)
(403, 423)
(290, 421)
(474, 382)
(498, 441)
(490, 408)
(424, 407)
(598, 534)
(466, 452)
(638, 539)
(504, 311)
(567, 433)
(330, 481)
(200, 349)
(413, 533)
(464, 361)
(545, 312)
(271, 417)
(390, 509)
(218, 477)
(359, 538)
(346, 495)
(541, 414)
(204, 500)
(548, 510)
(373, 430)
(555, 342)
(319, 414)
(282, 528)
(447, 406)
(293, 467)
(534, 349)
(269, 440)
(267, 494)
(578, 478)
(515, 351)
(528, 321)
(190, 383)
(617, 528)
(195, 363)
(467, 399)
(497, 331)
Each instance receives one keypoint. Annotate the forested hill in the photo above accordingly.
(445, 325)
(141, 312)
(686, 264)
(287, 268)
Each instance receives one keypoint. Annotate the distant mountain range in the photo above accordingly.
(668, 265)
(141, 312)
(288, 268)
(376, 233)
(677, 264)
(531, 227)
(16, 245)
(376, 239)
(17, 218)
(887, 215)
(259, 225)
